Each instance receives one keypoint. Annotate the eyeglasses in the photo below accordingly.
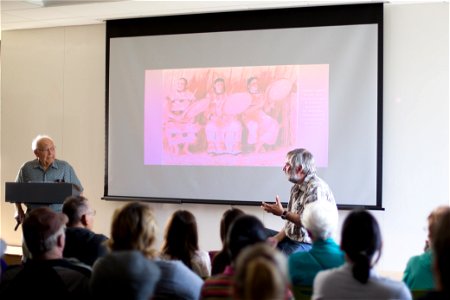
(50, 149)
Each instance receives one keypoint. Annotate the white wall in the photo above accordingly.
(53, 82)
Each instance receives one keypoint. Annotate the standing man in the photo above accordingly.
(308, 187)
(45, 168)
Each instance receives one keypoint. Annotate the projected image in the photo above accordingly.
(235, 116)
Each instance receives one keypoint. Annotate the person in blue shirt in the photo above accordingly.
(44, 168)
(320, 219)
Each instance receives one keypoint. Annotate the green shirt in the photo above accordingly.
(304, 266)
(418, 274)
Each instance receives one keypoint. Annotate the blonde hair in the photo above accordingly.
(134, 228)
(261, 273)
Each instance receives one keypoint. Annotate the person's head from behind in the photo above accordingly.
(44, 149)
(434, 217)
(43, 232)
(124, 275)
(261, 273)
(181, 236)
(440, 244)
(299, 164)
(79, 212)
(227, 218)
(320, 218)
(134, 228)
(361, 241)
(246, 230)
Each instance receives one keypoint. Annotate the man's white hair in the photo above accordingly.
(36, 140)
(320, 218)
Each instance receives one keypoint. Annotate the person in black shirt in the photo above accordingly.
(81, 242)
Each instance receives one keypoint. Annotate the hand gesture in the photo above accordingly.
(275, 208)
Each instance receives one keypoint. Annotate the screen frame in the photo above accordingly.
(334, 15)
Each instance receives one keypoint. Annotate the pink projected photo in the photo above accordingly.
(235, 116)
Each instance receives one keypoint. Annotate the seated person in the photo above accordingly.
(356, 279)
(180, 127)
(246, 230)
(181, 243)
(222, 258)
(46, 275)
(81, 242)
(124, 275)
(320, 219)
(134, 228)
(440, 245)
(418, 274)
(261, 273)
(262, 128)
(223, 130)
(3, 264)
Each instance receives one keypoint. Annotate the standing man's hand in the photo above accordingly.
(19, 215)
(275, 208)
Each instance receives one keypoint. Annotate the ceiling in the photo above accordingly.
(28, 14)
(48, 13)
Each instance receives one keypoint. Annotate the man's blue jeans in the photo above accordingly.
(288, 246)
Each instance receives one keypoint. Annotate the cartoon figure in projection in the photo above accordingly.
(262, 129)
(180, 124)
(223, 129)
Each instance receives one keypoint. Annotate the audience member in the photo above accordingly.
(308, 187)
(81, 242)
(181, 243)
(134, 228)
(356, 279)
(3, 264)
(124, 275)
(320, 219)
(440, 244)
(418, 274)
(261, 273)
(246, 230)
(222, 258)
(47, 275)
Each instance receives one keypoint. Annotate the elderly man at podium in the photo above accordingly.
(45, 168)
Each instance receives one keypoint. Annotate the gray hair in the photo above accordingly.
(320, 218)
(302, 158)
(37, 139)
(48, 243)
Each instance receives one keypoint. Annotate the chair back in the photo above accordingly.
(36, 282)
(302, 292)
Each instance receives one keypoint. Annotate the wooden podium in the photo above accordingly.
(39, 192)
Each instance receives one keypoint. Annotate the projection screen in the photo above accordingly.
(203, 108)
